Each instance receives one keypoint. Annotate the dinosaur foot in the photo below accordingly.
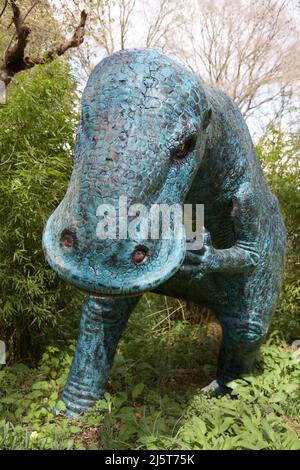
(216, 390)
(57, 411)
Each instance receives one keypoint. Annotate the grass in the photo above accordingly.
(168, 353)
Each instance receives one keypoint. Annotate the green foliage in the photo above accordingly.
(36, 137)
(257, 415)
(168, 352)
(279, 153)
(154, 399)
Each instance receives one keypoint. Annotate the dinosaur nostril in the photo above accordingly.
(68, 238)
(139, 255)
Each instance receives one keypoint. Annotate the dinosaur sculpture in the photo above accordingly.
(151, 130)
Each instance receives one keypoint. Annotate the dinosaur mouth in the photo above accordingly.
(127, 267)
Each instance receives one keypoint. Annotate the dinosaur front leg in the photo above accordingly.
(211, 260)
(244, 255)
(102, 323)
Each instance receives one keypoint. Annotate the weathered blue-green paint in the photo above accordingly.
(137, 108)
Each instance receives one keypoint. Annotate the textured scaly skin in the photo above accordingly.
(137, 108)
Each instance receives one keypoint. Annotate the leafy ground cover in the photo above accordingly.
(154, 401)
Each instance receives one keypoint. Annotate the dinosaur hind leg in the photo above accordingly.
(243, 335)
(245, 323)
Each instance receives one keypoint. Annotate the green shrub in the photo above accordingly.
(154, 399)
(279, 153)
(36, 137)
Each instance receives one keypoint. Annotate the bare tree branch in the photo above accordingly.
(14, 56)
(126, 8)
(15, 61)
(75, 41)
(4, 8)
(24, 18)
(250, 50)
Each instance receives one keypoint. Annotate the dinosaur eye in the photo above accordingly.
(184, 149)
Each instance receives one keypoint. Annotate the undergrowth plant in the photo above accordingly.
(154, 398)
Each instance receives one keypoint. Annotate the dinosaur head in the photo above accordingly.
(141, 137)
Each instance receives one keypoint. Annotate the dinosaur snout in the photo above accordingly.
(139, 255)
(110, 266)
